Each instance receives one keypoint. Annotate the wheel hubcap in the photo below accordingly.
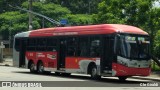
(41, 68)
(32, 67)
(94, 71)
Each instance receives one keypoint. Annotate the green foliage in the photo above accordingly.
(132, 12)
(51, 10)
(154, 66)
(152, 25)
(79, 6)
(4, 5)
(79, 19)
(157, 44)
(48, 9)
(12, 22)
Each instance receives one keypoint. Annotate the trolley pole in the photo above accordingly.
(30, 14)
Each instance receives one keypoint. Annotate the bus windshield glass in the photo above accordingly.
(134, 47)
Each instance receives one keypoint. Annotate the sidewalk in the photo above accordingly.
(7, 62)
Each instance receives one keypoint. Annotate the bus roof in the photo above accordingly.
(86, 30)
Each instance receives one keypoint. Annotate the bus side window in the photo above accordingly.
(41, 44)
(83, 46)
(51, 44)
(72, 44)
(31, 44)
(17, 44)
(95, 47)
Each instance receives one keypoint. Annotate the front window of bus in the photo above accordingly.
(134, 47)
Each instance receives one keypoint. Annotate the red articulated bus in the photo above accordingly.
(99, 50)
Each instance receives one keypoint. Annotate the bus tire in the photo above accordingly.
(94, 74)
(47, 72)
(40, 68)
(66, 74)
(31, 67)
(122, 78)
(57, 73)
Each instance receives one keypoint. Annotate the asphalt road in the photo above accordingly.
(73, 82)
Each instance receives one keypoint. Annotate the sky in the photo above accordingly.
(157, 4)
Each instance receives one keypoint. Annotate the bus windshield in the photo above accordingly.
(134, 47)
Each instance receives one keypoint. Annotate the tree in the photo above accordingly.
(154, 30)
(79, 6)
(4, 4)
(110, 11)
(132, 12)
(12, 23)
(157, 44)
(51, 10)
(79, 19)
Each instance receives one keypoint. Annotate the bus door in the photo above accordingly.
(107, 55)
(61, 54)
(22, 53)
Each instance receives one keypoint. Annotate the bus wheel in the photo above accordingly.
(31, 67)
(47, 72)
(94, 73)
(66, 74)
(57, 73)
(40, 68)
(122, 78)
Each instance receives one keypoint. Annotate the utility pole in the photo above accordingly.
(1, 51)
(30, 14)
(89, 6)
(10, 30)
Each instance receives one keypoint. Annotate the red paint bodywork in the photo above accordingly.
(122, 70)
(87, 30)
(73, 62)
(49, 59)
